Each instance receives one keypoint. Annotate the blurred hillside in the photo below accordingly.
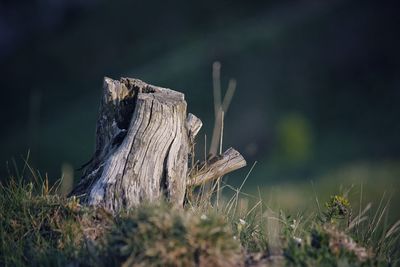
(318, 81)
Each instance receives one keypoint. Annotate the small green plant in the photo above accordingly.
(327, 243)
(337, 208)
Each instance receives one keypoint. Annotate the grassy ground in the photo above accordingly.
(364, 183)
(38, 227)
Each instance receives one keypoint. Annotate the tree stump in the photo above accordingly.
(144, 140)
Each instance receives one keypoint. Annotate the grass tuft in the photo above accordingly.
(38, 227)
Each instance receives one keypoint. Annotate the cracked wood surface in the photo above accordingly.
(216, 167)
(144, 146)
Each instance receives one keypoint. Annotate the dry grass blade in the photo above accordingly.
(395, 228)
(360, 217)
(220, 108)
(216, 74)
(220, 152)
(381, 216)
(229, 95)
(236, 196)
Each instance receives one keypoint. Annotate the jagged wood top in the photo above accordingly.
(144, 148)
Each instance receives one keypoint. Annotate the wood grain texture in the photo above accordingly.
(144, 148)
(216, 167)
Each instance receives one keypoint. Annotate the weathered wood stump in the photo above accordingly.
(144, 139)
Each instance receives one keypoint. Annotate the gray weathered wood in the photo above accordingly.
(144, 139)
(216, 167)
(194, 125)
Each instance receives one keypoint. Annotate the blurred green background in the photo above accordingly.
(317, 98)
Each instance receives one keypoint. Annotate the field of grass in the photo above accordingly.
(39, 227)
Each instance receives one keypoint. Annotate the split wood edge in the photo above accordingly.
(113, 178)
(215, 167)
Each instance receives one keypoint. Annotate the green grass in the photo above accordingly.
(38, 227)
